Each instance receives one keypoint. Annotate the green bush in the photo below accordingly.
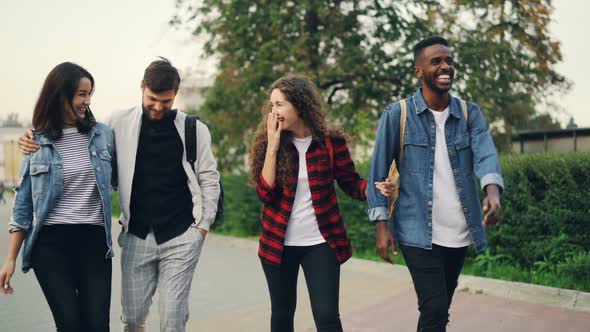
(116, 209)
(544, 235)
(241, 208)
(546, 209)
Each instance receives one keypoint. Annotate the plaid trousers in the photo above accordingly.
(170, 266)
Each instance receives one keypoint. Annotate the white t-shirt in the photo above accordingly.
(80, 200)
(303, 229)
(449, 227)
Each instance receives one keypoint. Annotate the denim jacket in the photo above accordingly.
(41, 185)
(472, 154)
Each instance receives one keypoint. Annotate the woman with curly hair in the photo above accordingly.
(294, 160)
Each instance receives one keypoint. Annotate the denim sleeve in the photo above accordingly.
(486, 163)
(22, 212)
(385, 151)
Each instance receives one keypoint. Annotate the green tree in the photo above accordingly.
(359, 55)
(506, 60)
(336, 43)
(540, 122)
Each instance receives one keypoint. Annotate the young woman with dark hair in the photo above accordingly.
(294, 161)
(62, 210)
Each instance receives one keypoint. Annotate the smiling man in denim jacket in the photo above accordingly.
(437, 214)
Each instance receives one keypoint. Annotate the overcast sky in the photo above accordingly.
(116, 40)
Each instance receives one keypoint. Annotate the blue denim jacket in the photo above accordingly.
(41, 185)
(472, 154)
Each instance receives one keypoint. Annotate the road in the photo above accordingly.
(229, 294)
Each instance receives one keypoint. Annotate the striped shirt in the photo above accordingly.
(80, 201)
(278, 201)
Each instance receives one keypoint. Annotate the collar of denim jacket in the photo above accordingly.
(420, 105)
(43, 140)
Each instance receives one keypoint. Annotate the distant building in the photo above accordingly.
(558, 140)
(10, 156)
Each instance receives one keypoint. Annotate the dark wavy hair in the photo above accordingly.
(307, 101)
(56, 95)
(161, 76)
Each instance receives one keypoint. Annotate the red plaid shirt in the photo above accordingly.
(278, 202)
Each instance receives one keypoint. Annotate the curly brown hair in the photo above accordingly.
(307, 101)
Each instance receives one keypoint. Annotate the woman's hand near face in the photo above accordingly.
(273, 129)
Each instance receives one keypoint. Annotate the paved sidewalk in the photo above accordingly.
(229, 294)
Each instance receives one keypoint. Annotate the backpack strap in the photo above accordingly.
(393, 173)
(402, 127)
(464, 108)
(190, 139)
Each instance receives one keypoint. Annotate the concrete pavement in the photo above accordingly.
(229, 294)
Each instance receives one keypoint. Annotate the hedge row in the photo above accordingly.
(546, 222)
(545, 226)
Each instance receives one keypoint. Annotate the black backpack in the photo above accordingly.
(190, 140)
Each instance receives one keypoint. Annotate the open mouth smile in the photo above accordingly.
(444, 78)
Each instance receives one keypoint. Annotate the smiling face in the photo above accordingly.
(435, 68)
(156, 104)
(76, 110)
(285, 111)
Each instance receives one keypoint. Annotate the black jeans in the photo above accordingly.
(72, 269)
(322, 275)
(435, 273)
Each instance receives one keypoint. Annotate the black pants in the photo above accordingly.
(435, 273)
(72, 269)
(322, 275)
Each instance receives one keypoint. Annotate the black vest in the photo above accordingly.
(160, 197)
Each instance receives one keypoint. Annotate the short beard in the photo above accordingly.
(144, 110)
(167, 113)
